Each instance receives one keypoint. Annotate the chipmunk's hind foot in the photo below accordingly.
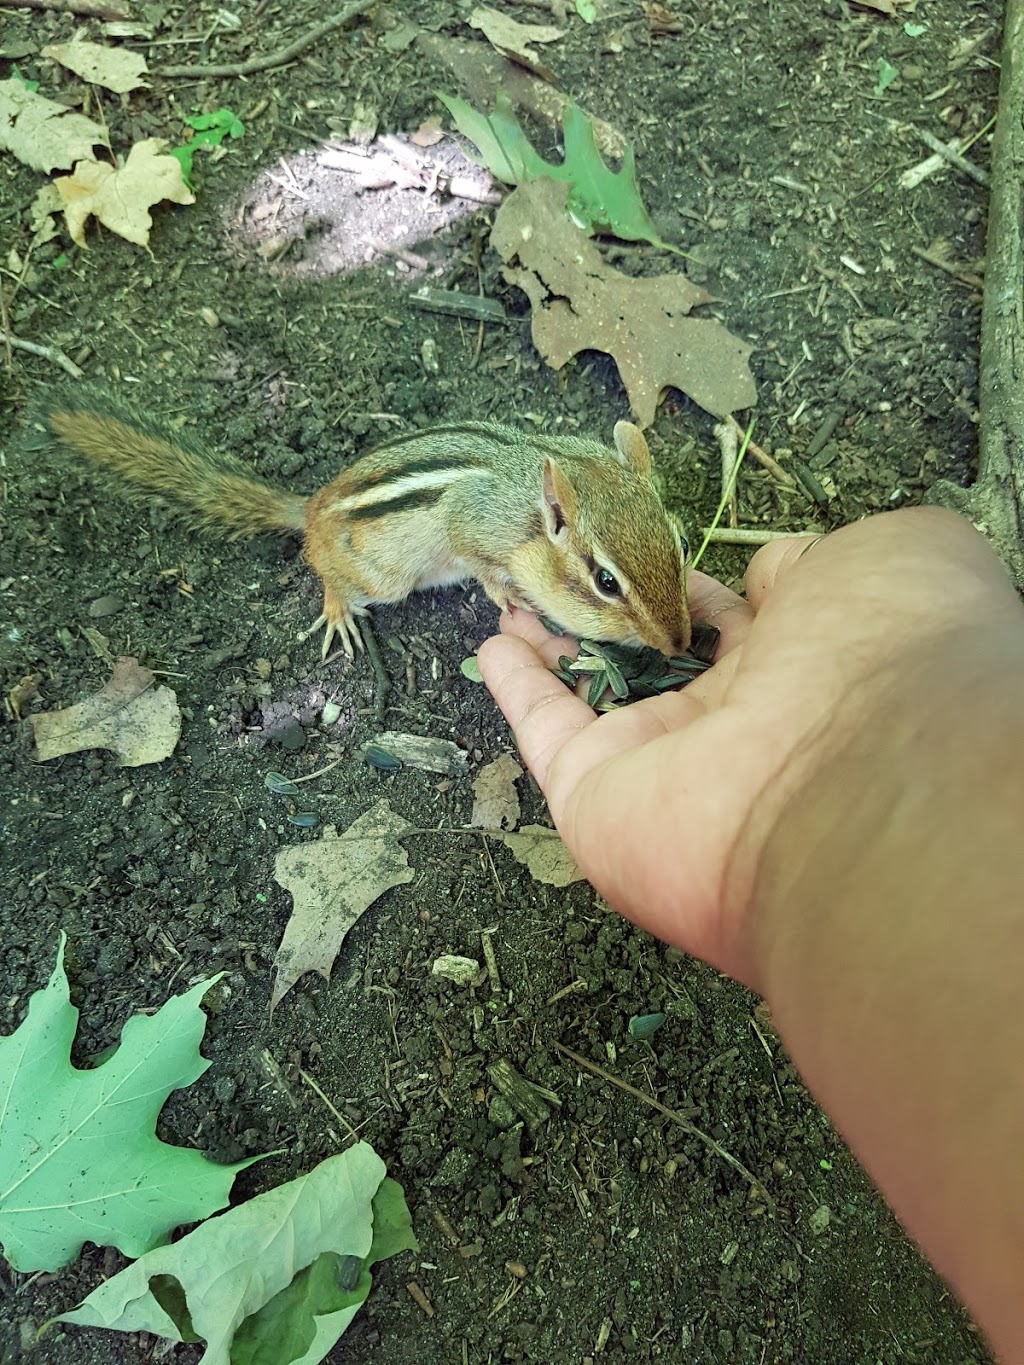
(337, 619)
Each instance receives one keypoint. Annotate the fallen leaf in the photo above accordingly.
(481, 71)
(579, 303)
(542, 852)
(599, 200)
(42, 133)
(331, 883)
(79, 1156)
(496, 801)
(661, 19)
(882, 6)
(115, 68)
(513, 39)
(139, 722)
(121, 199)
(428, 133)
(279, 1278)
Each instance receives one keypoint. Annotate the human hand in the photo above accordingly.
(666, 804)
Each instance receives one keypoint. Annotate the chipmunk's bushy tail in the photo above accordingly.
(217, 489)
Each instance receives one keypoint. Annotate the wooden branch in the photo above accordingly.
(995, 502)
(91, 9)
(277, 58)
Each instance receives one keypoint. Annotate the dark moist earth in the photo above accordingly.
(608, 1231)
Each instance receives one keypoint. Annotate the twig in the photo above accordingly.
(728, 445)
(91, 9)
(46, 352)
(270, 59)
(342, 1120)
(954, 158)
(747, 535)
(764, 459)
(380, 696)
(996, 501)
(973, 281)
(673, 1114)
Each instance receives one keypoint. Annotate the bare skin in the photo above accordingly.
(834, 815)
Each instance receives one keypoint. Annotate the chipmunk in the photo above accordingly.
(560, 525)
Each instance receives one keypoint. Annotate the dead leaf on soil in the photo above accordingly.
(42, 133)
(139, 722)
(513, 39)
(115, 68)
(429, 133)
(332, 882)
(882, 6)
(121, 199)
(542, 852)
(495, 798)
(579, 303)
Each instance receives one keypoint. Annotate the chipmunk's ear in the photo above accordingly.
(559, 504)
(632, 448)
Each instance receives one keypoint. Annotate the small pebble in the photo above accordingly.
(819, 1219)
(330, 713)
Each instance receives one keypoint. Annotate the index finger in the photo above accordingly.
(542, 712)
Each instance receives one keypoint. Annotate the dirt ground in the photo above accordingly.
(767, 150)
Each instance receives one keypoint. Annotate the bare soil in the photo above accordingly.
(767, 151)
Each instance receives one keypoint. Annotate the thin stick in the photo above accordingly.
(92, 9)
(342, 1120)
(954, 158)
(271, 59)
(380, 673)
(973, 281)
(673, 1114)
(728, 442)
(764, 459)
(46, 352)
(747, 535)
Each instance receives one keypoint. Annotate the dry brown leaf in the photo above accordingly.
(42, 133)
(495, 798)
(428, 133)
(115, 68)
(513, 39)
(121, 199)
(882, 6)
(580, 303)
(332, 882)
(542, 852)
(139, 722)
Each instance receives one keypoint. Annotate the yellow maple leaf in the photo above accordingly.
(121, 198)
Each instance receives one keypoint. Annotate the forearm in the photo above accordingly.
(888, 920)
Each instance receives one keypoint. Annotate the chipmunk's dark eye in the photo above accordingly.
(684, 547)
(606, 583)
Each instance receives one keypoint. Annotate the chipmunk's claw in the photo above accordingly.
(343, 626)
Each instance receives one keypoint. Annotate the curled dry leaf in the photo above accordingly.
(513, 39)
(332, 882)
(495, 799)
(579, 303)
(139, 722)
(42, 133)
(121, 199)
(115, 68)
(542, 852)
